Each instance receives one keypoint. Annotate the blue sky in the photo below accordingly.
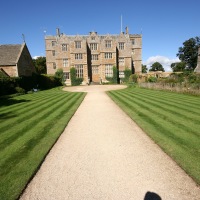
(164, 24)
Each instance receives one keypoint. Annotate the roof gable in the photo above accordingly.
(9, 54)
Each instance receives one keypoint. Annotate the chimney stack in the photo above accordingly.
(58, 32)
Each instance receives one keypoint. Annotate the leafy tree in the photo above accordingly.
(178, 67)
(40, 65)
(189, 52)
(156, 67)
(144, 69)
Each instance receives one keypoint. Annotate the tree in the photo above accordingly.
(40, 65)
(156, 67)
(178, 67)
(189, 52)
(144, 69)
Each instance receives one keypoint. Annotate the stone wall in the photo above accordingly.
(10, 70)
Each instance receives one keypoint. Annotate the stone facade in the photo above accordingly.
(197, 69)
(93, 55)
(15, 60)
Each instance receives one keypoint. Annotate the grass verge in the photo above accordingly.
(30, 125)
(172, 120)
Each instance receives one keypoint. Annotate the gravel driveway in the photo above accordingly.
(104, 155)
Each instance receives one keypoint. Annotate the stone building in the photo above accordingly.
(15, 60)
(93, 55)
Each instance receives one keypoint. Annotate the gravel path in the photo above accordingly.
(104, 155)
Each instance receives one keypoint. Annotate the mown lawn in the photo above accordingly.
(172, 120)
(29, 126)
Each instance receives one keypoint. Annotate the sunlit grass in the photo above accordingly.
(29, 126)
(172, 120)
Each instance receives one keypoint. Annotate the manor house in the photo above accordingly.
(93, 55)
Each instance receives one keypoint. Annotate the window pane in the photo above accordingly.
(65, 62)
(53, 43)
(78, 44)
(109, 70)
(79, 71)
(66, 76)
(64, 47)
(108, 44)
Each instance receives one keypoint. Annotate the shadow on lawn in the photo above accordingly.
(7, 115)
(9, 102)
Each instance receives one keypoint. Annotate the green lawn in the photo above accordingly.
(172, 120)
(29, 126)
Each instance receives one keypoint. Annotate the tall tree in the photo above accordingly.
(178, 67)
(189, 52)
(156, 67)
(40, 65)
(144, 69)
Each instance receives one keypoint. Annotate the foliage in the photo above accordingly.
(40, 81)
(185, 82)
(40, 65)
(152, 79)
(133, 78)
(170, 119)
(59, 75)
(20, 90)
(189, 52)
(144, 69)
(178, 67)
(115, 78)
(156, 67)
(127, 74)
(7, 85)
(74, 80)
(30, 126)
(115, 74)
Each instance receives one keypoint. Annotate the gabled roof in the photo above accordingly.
(9, 53)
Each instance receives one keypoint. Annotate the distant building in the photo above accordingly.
(15, 60)
(93, 55)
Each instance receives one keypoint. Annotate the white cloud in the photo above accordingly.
(163, 60)
(35, 57)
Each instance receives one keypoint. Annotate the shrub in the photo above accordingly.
(59, 75)
(133, 78)
(115, 74)
(127, 74)
(152, 79)
(74, 80)
(20, 90)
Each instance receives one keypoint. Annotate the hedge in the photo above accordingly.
(11, 85)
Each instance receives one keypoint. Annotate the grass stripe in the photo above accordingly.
(175, 128)
(31, 140)
(171, 109)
